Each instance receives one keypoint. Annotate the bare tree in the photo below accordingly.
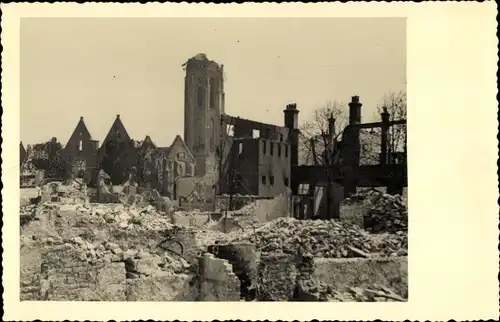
(319, 140)
(393, 103)
(320, 137)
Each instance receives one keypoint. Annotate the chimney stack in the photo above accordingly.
(331, 126)
(292, 123)
(355, 110)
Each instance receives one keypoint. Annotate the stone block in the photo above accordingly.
(113, 273)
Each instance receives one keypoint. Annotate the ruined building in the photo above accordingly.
(259, 156)
(117, 153)
(160, 167)
(203, 106)
(249, 157)
(80, 155)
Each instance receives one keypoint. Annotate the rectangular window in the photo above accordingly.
(255, 134)
(271, 147)
(279, 150)
(264, 143)
(263, 179)
(271, 180)
(80, 145)
(286, 151)
(240, 148)
(286, 181)
(281, 137)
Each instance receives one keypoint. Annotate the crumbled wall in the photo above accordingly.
(244, 259)
(64, 276)
(344, 273)
(280, 275)
(218, 282)
(64, 273)
(264, 210)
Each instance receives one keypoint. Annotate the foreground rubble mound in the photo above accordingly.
(138, 262)
(328, 239)
(386, 213)
(316, 291)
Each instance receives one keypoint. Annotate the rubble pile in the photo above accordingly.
(388, 214)
(328, 239)
(138, 262)
(316, 291)
(27, 214)
(379, 212)
(132, 217)
(149, 197)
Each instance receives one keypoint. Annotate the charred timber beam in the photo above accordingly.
(376, 124)
(365, 175)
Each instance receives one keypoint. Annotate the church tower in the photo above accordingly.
(203, 106)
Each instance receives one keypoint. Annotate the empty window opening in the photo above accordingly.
(286, 151)
(230, 129)
(200, 96)
(263, 179)
(240, 148)
(213, 92)
(279, 150)
(255, 134)
(271, 180)
(80, 145)
(264, 144)
(271, 148)
(285, 180)
(281, 137)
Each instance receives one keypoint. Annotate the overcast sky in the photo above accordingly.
(97, 68)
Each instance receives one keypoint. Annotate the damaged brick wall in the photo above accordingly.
(63, 273)
(218, 281)
(244, 259)
(64, 276)
(290, 277)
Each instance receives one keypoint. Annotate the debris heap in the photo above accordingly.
(388, 214)
(328, 239)
(316, 291)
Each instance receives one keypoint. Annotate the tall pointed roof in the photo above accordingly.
(80, 128)
(179, 139)
(117, 128)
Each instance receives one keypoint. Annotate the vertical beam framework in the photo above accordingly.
(291, 114)
(383, 143)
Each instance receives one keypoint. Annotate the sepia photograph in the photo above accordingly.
(200, 162)
(179, 160)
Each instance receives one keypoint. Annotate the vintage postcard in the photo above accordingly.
(201, 162)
